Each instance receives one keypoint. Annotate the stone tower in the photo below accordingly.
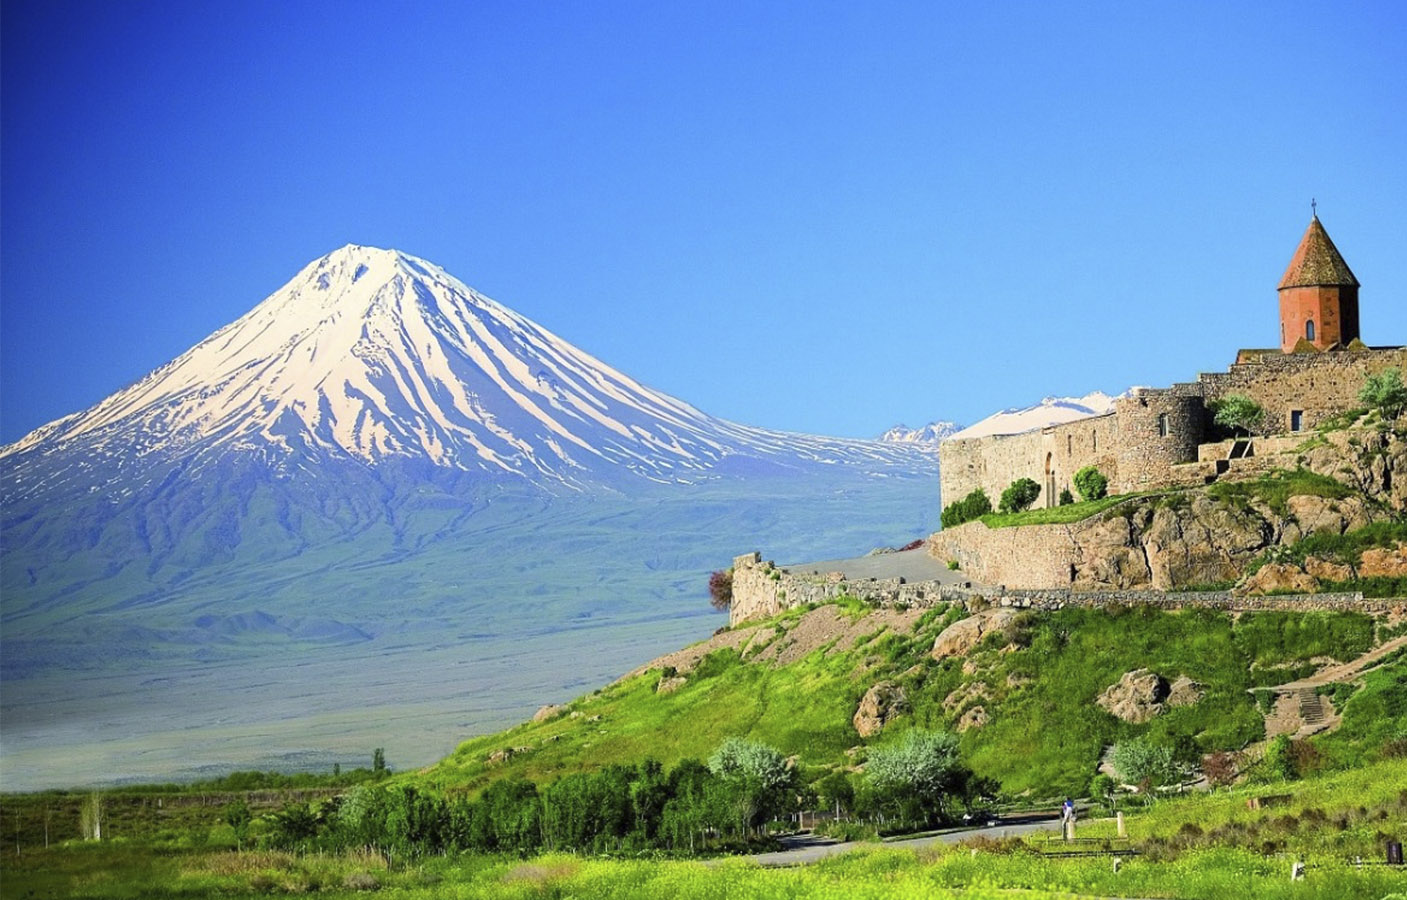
(1318, 295)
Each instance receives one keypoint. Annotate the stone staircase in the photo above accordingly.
(1313, 712)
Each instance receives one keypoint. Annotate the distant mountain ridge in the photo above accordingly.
(932, 433)
(376, 355)
(1050, 411)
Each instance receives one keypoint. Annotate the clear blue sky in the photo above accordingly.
(826, 217)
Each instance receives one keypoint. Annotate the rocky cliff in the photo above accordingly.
(1203, 536)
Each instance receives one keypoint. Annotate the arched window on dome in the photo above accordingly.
(1309, 330)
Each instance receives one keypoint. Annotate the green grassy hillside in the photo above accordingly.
(795, 683)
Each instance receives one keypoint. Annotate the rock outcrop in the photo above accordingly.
(960, 637)
(550, 711)
(1200, 536)
(881, 704)
(975, 717)
(1279, 578)
(1382, 563)
(1137, 697)
(1184, 692)
(671, 684)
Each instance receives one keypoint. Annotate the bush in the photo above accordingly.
(1091, 484)
(1385, 393)
(1144, 763)
(973, 506)
(1238, 413)
(1066, 498)
(1019, 496)
(720, 589)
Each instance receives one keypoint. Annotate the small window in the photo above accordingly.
(1296, 420)
(1162, 424)
(1094, 440)
(1309, 330)
(1069, 444)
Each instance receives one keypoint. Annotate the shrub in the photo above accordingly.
(1066, 498)
(1385, 393)
(1238, 413)
(1091, 484)
(1019, 496)
(720, 589)
(973, 506)
(1144, 762)
(1220, 768)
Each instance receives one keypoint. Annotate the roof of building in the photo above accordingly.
(1317, 261)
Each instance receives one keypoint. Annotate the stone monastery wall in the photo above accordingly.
(760, 591)
(1153, 434)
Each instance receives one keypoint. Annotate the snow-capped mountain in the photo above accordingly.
(1050, 411)
(380, 477)
(377, 355)
(932, 433)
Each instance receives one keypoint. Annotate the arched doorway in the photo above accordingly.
(1049, 479)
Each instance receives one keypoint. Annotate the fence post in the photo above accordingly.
(1119, 818)
(1297, 872)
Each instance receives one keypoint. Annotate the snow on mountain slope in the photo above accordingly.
(1050, 411)
(932, 433)
(379, 355)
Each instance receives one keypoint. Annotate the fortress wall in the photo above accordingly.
(761, 590)
(1024, 556)
(1157, 429)
(1321, 385)
(1131, 448)
(1048, 456)
(757, 595)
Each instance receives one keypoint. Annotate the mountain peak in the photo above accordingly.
(375, 354)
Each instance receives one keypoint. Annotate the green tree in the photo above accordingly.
(757, 778)
(1066, 498)
(1279, 760)
(1238, 412)
(973, 506)
(1019, 496)
(1145, 763)
(378, 762)
(835, 792)
(1101, 789)
(1385, 393)
(918, 774)
(1091, 483)
(90, 817)
(238, 817)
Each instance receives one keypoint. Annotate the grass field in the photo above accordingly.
(1037, 681)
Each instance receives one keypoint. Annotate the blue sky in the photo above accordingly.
(825, 217)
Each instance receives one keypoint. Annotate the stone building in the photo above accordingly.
(1165, 437)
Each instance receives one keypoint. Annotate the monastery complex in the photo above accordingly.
(1165, 437)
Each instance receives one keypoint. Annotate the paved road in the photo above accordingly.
(802, 849)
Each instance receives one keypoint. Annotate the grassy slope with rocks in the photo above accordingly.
(795, 681)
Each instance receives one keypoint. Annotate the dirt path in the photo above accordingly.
(1299, 711)
(1349, 670)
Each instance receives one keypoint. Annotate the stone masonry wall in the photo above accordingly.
(1048, 456)
(1321, 385)
(1152, 432)
(758, 594)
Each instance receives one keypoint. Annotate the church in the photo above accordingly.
(1165, 437)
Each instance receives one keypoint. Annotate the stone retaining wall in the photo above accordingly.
(761, 590)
